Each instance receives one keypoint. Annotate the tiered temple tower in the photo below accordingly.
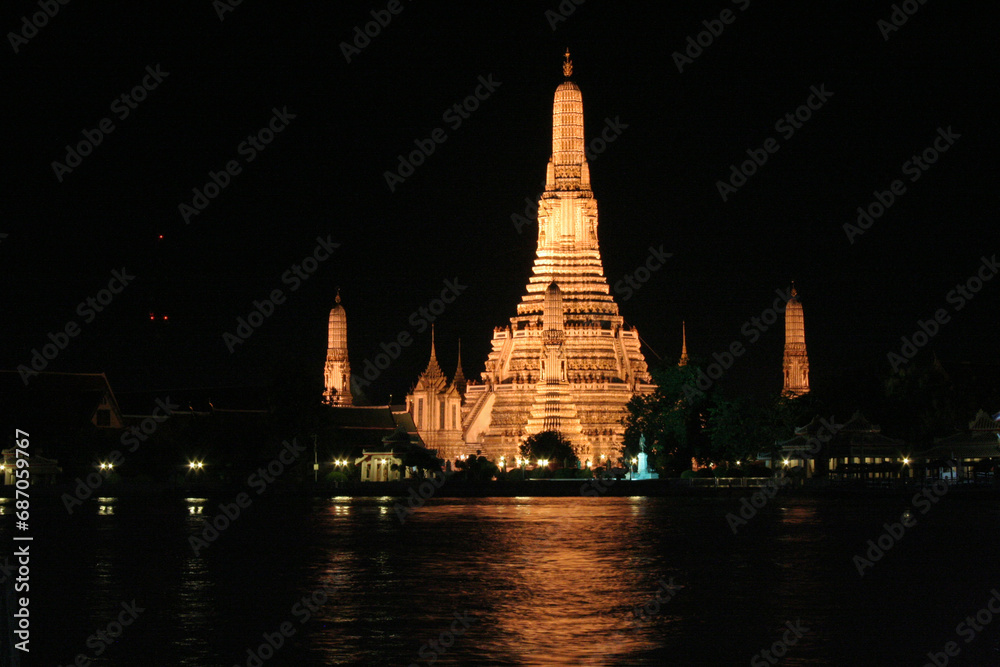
(337, 373)
(796, 366)
(566, 361)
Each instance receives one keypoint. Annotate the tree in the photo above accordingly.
(549, 445)
(477, 468)
(740, 428)
(922, 402)
(672, 418)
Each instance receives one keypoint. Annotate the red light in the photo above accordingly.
(164, 317)
(151, 316)
(161, 236)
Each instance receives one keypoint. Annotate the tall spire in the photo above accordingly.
(796, 363)
(433, 370)
(337, 372)
(568, 169)
(459, 381)
(684, 345)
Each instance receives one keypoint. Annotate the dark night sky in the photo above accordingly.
(655, 184)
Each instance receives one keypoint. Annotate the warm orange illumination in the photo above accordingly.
(796, 364)
(566, 361)
(196, 465)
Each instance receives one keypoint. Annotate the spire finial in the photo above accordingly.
(684, 345)
(794, 291)
(433, 352)
(568, 65)
(338, 296)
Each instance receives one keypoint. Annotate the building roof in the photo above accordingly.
(55, 402)
(980, 440)
(374, 418)
(197, 400)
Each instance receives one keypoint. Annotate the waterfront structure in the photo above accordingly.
(566, 361)
(796, 365)
(435, 404)
(855, 448)
(337, 372)
(377, 466)
(965, 453)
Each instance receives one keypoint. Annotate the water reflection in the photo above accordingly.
(546, 581)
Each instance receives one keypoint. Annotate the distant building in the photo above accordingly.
(337, 372)
(435, 404)
(796, 366)
(856, 448)
(378, 466)
(41, 470)
(974, 450)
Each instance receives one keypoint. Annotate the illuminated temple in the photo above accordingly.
(796, 362)
(337, 372)
(567, 361)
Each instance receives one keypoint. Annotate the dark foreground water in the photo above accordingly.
(513, 581)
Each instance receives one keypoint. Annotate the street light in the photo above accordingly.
(196, 465)
(107, 466)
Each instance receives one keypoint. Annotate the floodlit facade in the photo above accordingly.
(436, 407)
(337, 372)
(796, 365)
(567, 361)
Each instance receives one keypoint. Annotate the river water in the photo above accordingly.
(511, 581)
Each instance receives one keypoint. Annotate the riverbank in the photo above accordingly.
(451, 488)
